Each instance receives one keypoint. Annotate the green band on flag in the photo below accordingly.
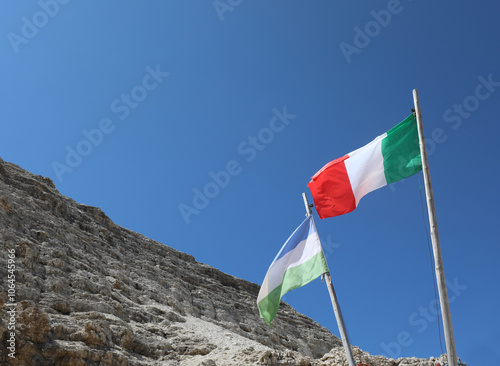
(401, 151)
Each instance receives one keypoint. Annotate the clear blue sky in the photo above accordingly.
(136, 107)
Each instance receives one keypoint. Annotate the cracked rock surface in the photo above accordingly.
(90, 292)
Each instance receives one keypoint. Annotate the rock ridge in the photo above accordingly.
(89, 292)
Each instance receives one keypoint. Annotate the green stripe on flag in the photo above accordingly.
(293, 278)
(268, 306)
(401, 151)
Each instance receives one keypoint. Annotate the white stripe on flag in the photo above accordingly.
(304, 251)
(365, 168)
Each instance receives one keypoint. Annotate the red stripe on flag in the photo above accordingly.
(331, 190)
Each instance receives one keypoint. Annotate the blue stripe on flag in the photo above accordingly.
(300, 234)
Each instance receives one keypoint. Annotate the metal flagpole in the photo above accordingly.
(340, 319)
(438, 260)
(335, 304)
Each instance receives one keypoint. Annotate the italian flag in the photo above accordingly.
(340, 184)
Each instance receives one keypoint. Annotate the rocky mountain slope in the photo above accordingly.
(89, 292)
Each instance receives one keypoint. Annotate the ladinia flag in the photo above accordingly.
(299, 261)
(340, 184)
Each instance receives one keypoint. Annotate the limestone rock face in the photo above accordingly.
(89, 292)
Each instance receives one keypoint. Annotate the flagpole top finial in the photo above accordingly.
(307, 205)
